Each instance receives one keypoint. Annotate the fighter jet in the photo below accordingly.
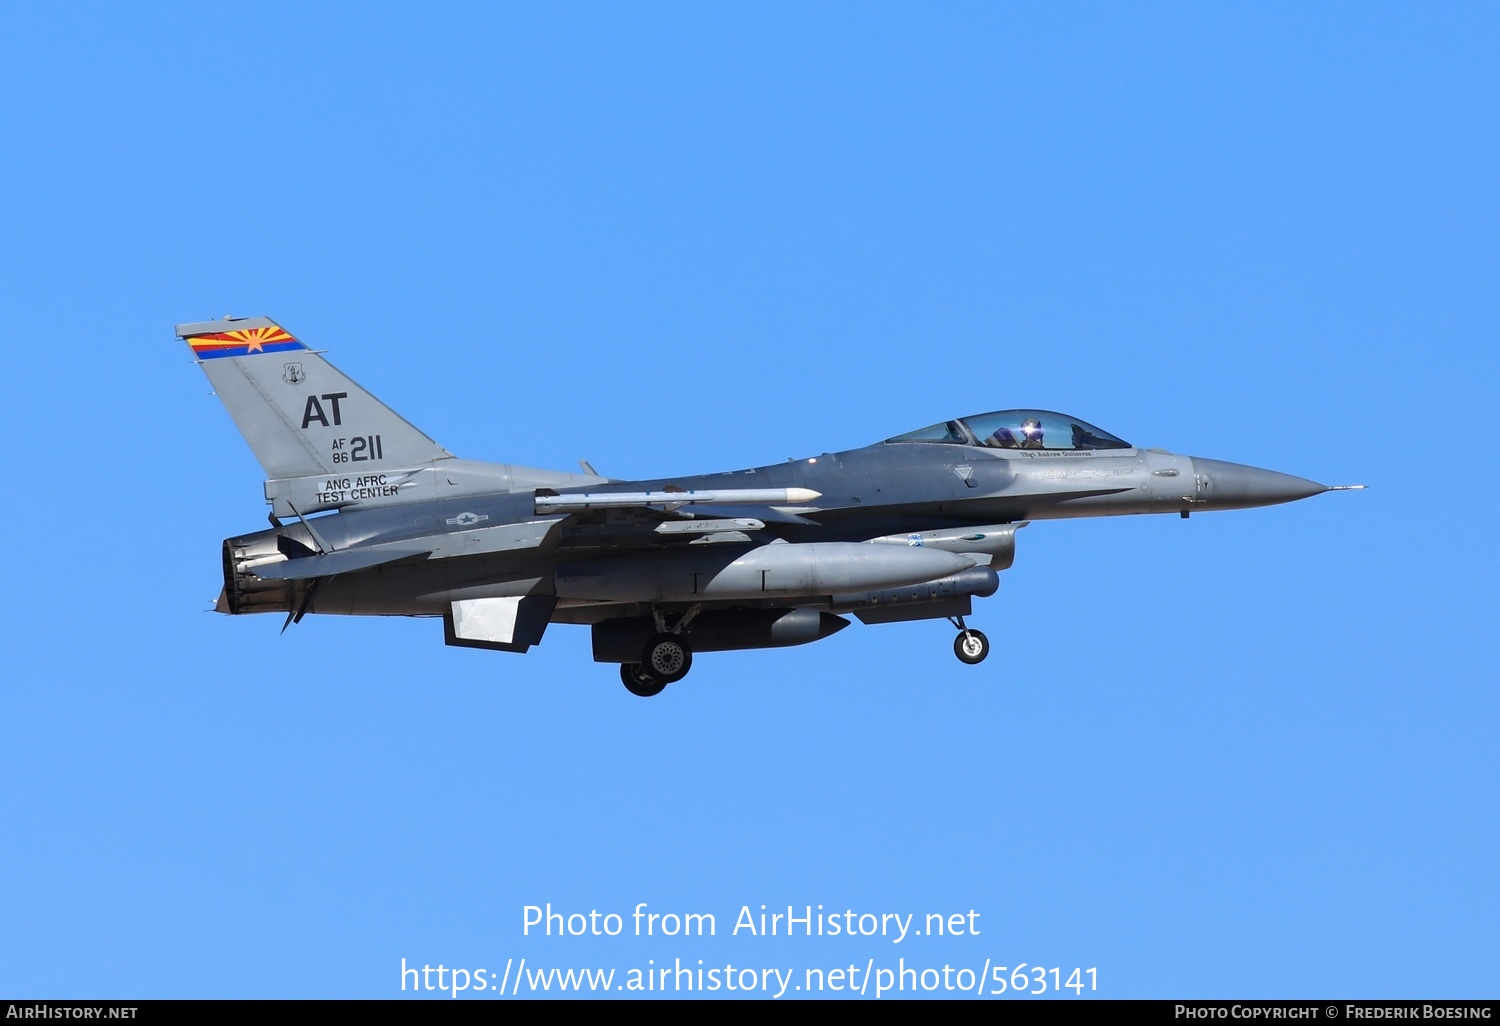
(369, 516)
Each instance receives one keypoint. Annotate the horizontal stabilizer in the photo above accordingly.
(331, 563)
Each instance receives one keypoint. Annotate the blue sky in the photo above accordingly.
(1246, 755)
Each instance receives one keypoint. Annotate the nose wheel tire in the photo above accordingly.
(971, 646)
(638, 682)
(667, 658)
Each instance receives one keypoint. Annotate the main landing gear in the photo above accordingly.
(665, 659)
(971, 646)
(638, 682)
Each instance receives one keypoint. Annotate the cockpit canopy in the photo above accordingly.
(1017, 429)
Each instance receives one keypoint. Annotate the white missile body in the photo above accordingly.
(574, 501)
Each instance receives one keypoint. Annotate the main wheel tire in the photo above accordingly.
(638, 682)
(971, 646)
(667, 658)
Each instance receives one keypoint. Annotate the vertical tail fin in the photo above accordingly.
(301, 415)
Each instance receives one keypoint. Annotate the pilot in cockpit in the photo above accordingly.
(1005, 438)
(1031, 433)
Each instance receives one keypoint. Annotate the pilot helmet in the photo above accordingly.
(1030, 427)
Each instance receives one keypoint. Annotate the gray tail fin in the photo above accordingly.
(301, 415)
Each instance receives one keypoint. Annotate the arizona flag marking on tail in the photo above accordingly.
(243, 342)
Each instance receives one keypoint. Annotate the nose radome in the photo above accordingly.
(1235, 486)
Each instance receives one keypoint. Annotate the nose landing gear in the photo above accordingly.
(971, 646)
